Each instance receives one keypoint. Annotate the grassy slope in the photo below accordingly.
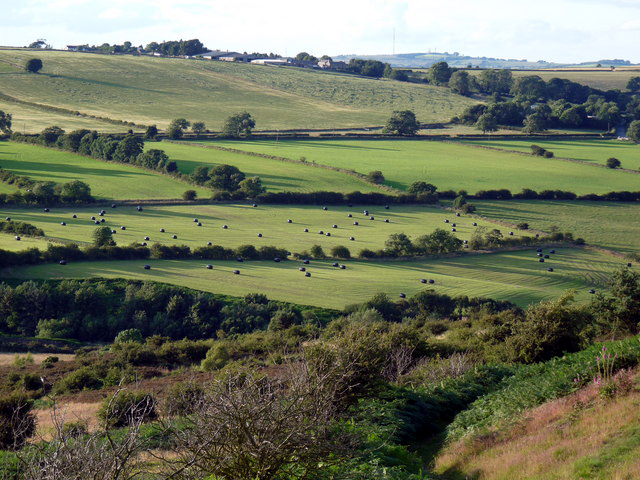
(572, 438)
(107, 180)
(245, 222)
(605, 224)
(603, 80)
(276, 176)
(592, 151)
(156, 90)
(447, 165)
(515, 276)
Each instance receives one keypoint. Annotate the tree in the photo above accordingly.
(613, 162)
(619, 311)
(200, 175)
(305, 57)
(402, 122)
(530, 86)
(174, 132)
(198, 128)
(495, 81)
(536, 122)
(487, 123)
(439, 241)
(460, 82)
(375, 176)
(340, 251)
(225, 177)
(102, 237)
(131, 335)
(398, 244)
(75, 191)
(633, 84)
(51, 134)
(422, 187)
(189, 195)
(5, 122)
(151, 133)
(33, 65)
(252, 187)
(440, 73)
(128, 149)
(238, 125)
(316, 251)
(153, 159)
(459, 201)
(633, 132)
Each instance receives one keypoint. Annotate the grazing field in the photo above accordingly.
(448, 165)
(604, 79)
(119, 87)
(514, 276)
(592, 151)
(276, 175)
(605, 224)
(245, 222)
(107, 180)
(9, 242)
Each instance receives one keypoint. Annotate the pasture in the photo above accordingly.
(448, 165)
(514, 276)
(604, 224)
(276, 175)
(118, 87)
(108, 180)
(604, 79)
(245, 222)
(592, 151)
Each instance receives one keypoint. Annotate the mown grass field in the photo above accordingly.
(107, 180)
(276, 176)
(592, 151)
(150, 90)
(8, 242)
(245, 222)
(448, 165)
(514, 276)
(603, 79)
(604, 224)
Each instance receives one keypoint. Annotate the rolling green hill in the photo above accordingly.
(149, 90)
(448, 165)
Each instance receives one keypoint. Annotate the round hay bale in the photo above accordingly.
(352, 238)
(225, 227)
(97, 222)
(62, 262)
(328, 234)
(343, 267)
(46, 210)
(63, 223)
(259, 235)
(162, 230)
(147, 267)
(453, 224)
(386, 207)
(334, 226)
(195, 220)
(277, 260)
(541, 260)
(74, 216)
(123, 228)
(199, 224)
(8, 219)
(538, 250)
(432, 281)
(592, 291)
(538, 254)
(113, 205)
(102, 220)
(335, 264)
(386, 220)
(307, 274)
(446, 220)
(350, 216)
(465, 242)
(350, 205)
(147, 238)
(302, 269)
(306, 230)
(465, 246)
(139, 208)
(325, 208)
(209, 267)
(240, 259)
(423, 280)
(546, 256)
(101, 214)
(93, 218)
(453, 230)
(511, 233)
(17, 238)
(402, 295)
(113, 231)
(144, 244)
(552, 251)
(371, 218)
(366, 212)
(356, 223)
(209, 244)
(321, 232)
(550, 269)
(306, 262)
(255, 205)
(629, 264)
(236, 272)
(175, 237)
(289, 221)
(537, 235)
(457, 214)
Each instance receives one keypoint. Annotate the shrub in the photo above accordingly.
(613, 163)
(217, 357)
(548, 154)
(85, 378)
(468, 208)
(183, 398)
(375, 176)
(317, 252)
(367, 253)
(129, 335)
(537, 150)
(17, 423)
(189, 195)
(523, 226)
(340, 251)
(126, 408)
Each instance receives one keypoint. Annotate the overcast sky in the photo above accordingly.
(553, 30)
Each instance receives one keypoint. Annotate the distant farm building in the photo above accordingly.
(332, 65)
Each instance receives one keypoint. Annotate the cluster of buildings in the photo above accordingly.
(223, 56)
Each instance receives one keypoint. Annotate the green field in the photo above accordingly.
(447, 165)
(245, 222)
(8, 242)
(603, 80)
(149, 90)
(514, 276)
(605, 224)
(276, 176)
(592, 151)
(107, 180)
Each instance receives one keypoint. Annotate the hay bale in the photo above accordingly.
(328, 234)
(17, 238)
(306, 262)
(277, 260)
(386, 220)
(446, 220)
(352, 238)
(423, 280)
(552, 251)
(195, 220)
(147, 238)
(113, 205)
(289, 221)
(240, 259)
(453, 224)
(511, 233)
(343, 267)
(321, 232)
(335, 264)
(255, 205)
(465, 242)
(541, 260)
(550, 269)
(225, 226)
(236, 272)
(259, 235)
(432, 281)
(46, 210)
(302, 269)
(113, 231)
(334, 226)
(537, 235)
(101, 214)
(209, 266)
(366, 212)
(475, 224)
(629, 265)
(386, 207)
(546, 256)
(62, 262)
(162, 230)
(144, 244)
(93, 218)
(139, 208)
(538, 250)
(147, 267)
(63, 223)
(453, 230)
(199, 224)
(465, 246)
(175, 237)
(74, 216)
(350, 216)
(306, 230)
(123, 228)
(538, 254)
(102, 220)
(97, 222)
(372, 218)
(8, 219)
(103, 211)
(307, 274)
(209, 243)
(457, 214)
(356, 223)
(325, 208)
(402, 295)
(592, 291)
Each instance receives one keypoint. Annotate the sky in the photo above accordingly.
(563, 31)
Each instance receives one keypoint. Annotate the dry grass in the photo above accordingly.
(69, 412)
(559, 440)
(7, 359)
